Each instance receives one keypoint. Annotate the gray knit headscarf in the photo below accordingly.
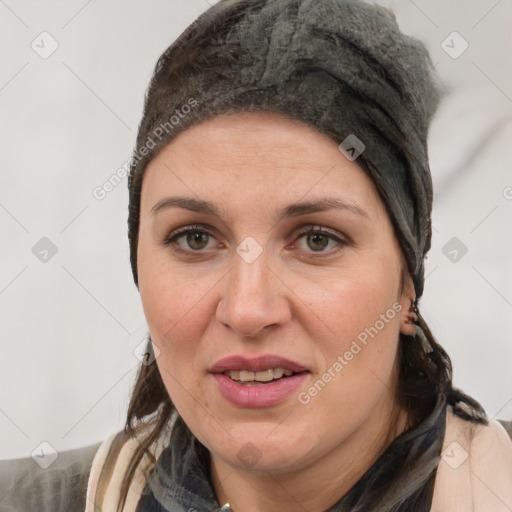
(341, 66)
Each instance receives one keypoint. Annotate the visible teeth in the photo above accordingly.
(265, 375)
(262, 376)
(278, 373)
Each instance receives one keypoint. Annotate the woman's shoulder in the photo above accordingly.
(110, 467)
(475, 470)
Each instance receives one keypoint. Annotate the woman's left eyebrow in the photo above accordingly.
(319, 205)
(292, 210)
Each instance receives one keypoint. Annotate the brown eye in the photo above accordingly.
(318, 239)
(195, 239)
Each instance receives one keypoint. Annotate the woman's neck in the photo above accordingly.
(317, 486)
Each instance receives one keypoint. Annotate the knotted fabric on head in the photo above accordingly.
(341, 66)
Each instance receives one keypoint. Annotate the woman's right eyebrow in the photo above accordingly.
(292, 210)
(188, 203)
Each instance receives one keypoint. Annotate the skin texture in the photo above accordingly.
(306, 300)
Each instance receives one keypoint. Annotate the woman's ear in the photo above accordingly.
(407, 316)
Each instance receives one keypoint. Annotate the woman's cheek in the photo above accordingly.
(365, 327)
(165, 297)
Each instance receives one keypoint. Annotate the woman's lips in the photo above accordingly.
(254, 364)
(258, 395)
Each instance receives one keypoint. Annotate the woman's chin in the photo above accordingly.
(250, 458)
(263, 454)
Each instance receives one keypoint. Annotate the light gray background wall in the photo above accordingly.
(69, 325)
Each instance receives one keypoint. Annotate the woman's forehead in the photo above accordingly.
(261, 133)
(252, 155)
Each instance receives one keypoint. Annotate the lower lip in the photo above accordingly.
(264, 395)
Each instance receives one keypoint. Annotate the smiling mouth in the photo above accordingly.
(249, 378)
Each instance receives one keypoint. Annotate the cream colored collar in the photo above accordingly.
(475, 471)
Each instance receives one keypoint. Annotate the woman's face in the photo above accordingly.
(253, 289)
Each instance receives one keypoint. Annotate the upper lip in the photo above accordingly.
(255, 364)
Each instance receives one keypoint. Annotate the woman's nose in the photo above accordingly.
(253, 297)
